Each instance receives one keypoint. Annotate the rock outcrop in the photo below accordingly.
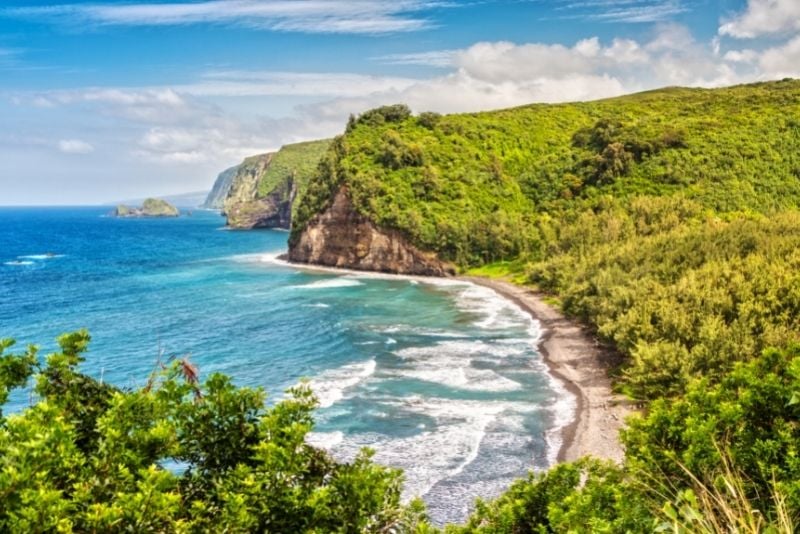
(264, 188)
(240, 206)
(342, 237)
(272, 211)
(151, 207)
(219, 192)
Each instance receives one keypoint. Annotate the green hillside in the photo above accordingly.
(476, 187)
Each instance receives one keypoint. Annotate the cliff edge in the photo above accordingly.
(341, 237)
(265, 188)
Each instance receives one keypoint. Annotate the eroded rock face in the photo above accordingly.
(341, 237)
(222, 186)
(272, 211)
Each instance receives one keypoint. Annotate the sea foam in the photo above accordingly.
(330, 386)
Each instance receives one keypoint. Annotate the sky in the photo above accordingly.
(103, 100)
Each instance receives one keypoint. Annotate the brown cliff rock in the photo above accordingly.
(341, 237)
(272, 211)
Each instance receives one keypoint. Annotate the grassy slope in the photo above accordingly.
(478, 185)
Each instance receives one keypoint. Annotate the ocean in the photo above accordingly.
(440, 377)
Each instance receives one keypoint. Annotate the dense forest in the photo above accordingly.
(666, 220)
(481, 187)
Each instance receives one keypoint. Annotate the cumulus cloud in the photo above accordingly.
(75, 146)
(308, 16)
(781, 61)
(741, 56)
(763, 17)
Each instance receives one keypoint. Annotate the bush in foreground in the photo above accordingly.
(175, 455)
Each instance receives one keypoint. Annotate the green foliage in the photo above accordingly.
(380, 116)
(587, 496)
(680, 294)
(177, 455)
(750, 419)
(489, 181)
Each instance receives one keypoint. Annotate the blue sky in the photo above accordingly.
(102, 100)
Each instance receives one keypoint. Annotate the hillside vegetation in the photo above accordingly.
(478, 187)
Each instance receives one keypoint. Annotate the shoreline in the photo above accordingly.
(572, 356)
(575, 358)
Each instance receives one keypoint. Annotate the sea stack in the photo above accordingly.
(151, 207)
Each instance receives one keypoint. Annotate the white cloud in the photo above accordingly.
(781, 61)
(741, 56)
(310, 16)
(504, 61)
(435, 58)
(763, 17)
(625, 11)
(269, 83)
(75, 146)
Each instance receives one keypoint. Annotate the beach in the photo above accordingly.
(575, 357)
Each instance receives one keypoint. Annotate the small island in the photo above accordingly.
(151, 207)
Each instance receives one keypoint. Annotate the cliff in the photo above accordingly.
(265, 188)
(520, 184)
(222, 186)
(341, 237)
(151, 207)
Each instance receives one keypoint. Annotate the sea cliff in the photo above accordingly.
(222, 186)
(264, 189)
(342, 237)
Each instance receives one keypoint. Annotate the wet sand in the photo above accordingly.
(575, 357)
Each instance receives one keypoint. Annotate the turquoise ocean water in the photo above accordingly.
(441, 378)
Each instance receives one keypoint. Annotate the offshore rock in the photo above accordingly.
(152, 207)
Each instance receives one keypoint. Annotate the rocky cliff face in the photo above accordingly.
(219, 192)
(240, 206)
(341, 237)
(272, 211)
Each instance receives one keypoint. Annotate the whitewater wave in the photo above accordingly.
(330, 284)
(447, 449)
(325, 440)
(495, 311)
(421, 331)
(17, 263)
(40, 256)
(330, 386)
(451, 363)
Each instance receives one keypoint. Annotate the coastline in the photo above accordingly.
(571, 354)
(581, 363)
